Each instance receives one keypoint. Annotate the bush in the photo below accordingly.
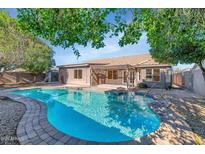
(142, 85)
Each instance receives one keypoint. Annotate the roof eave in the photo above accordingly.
(153, 65)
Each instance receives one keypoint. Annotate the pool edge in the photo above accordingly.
(44, 133)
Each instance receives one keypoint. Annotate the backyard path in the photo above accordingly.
(10, 115)
(182, 115)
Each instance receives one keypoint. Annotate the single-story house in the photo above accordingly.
(126, 70)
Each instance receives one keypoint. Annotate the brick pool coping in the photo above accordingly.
(35, 129)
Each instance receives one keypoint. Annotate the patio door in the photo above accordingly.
(125, 77)
(101, 80)
(128, 76)
(132, 77)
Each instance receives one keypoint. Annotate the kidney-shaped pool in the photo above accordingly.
(97, 116)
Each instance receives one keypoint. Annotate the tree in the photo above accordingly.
(19, 48)
(67, 27)
(39, 58)
(175, 35)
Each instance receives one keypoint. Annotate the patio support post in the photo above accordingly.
(127, 77)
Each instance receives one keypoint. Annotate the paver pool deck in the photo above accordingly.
(176, 108)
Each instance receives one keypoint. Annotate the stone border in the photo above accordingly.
(35, 129)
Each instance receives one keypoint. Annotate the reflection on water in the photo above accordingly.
(98, 116)
(77, 96)
(132, 113)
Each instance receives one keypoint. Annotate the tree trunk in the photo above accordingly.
(202, 69)
(2, 70)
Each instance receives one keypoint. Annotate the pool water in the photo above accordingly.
(97, 116)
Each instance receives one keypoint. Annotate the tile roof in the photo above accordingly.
(145, 59)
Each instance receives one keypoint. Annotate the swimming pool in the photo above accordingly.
(97, 116)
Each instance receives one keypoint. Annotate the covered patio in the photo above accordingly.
(123, 75)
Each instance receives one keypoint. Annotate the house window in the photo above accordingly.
(80, 72)
(156, 75)
(153, 74)
(109, 74)
(149, 74)
(112, 74)
(77, 74)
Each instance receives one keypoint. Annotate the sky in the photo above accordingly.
(112, 49)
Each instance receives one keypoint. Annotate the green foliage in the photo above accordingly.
(39, 58)
(175, 35)
(142, 85)
(19, 48)
(67, 27)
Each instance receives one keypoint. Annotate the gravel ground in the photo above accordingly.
(10, 115)
(185, 107)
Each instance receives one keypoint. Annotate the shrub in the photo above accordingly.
(142, 85)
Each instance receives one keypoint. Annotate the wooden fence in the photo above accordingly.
(192, 80)
(10, 78)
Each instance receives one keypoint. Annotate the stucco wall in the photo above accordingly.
(198, 82)
(67, 75)
(188, 80)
